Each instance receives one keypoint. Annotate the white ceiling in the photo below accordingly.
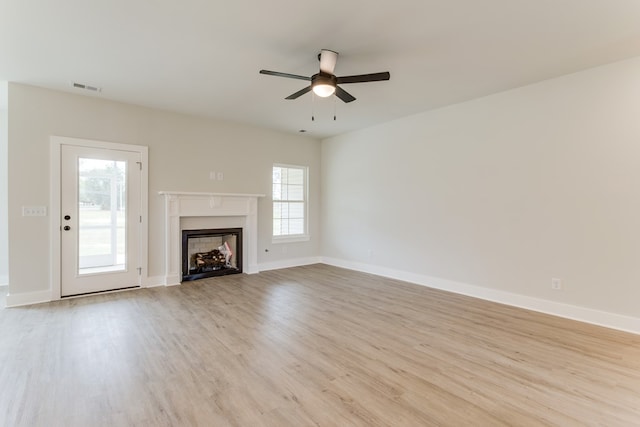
(202, 57)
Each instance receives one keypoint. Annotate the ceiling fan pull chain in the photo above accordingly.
(313, 104)
(334, 106)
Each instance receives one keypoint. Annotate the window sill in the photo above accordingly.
(290, 239)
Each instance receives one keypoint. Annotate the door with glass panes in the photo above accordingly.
(100, 219)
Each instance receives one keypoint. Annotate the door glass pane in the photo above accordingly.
(101, 215)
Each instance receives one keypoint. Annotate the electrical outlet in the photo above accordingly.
(556, 284)
(220, 176)
(212, 176)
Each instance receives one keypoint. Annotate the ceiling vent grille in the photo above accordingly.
(86, 87)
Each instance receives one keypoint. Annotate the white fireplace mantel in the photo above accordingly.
(208, 206)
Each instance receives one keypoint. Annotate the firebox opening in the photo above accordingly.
(211, 252)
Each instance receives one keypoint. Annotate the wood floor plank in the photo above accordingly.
(309, 346)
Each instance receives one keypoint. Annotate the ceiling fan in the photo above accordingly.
(325, 83)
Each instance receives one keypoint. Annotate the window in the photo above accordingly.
(289, 203)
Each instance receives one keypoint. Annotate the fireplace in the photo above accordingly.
(186, 210)
(211, 252)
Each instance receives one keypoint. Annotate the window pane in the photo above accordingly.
(296, 192)
(101, 215)
(277, 210)
(296, 226)
(277, 191)
(296, 210)
(289, 200)
(281, 211)
(277, 173)
(296, 176)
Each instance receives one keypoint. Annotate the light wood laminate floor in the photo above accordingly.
(309, 346)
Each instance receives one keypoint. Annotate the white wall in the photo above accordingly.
(182, 152)
(501, 193)
(4, 245)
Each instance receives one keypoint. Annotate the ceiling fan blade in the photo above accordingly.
(344, 95)
(299, 93)
(328, 60)
(362, 78)
(290, 76)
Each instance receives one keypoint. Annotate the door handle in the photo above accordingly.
(66, 228)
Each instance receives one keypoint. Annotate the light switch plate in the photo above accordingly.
(34, 211)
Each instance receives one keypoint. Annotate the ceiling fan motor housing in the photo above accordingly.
(323, 79)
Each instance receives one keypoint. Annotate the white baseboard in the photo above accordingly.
(288, 263)
(568, 311)
(154, 281)
(28, 298)
(251, 269)
(171, 280)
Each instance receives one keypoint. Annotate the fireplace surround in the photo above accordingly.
(188, 210)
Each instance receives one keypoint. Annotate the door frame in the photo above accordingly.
(55, 193)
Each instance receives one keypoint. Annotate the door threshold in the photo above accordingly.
(101, 292)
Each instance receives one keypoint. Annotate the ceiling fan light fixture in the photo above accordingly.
(324, 89)
(323, 85)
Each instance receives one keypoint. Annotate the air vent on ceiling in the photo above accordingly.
(86, 87)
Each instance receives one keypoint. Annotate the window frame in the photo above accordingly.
(290, 238)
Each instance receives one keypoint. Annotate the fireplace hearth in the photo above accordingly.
(211, 252)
